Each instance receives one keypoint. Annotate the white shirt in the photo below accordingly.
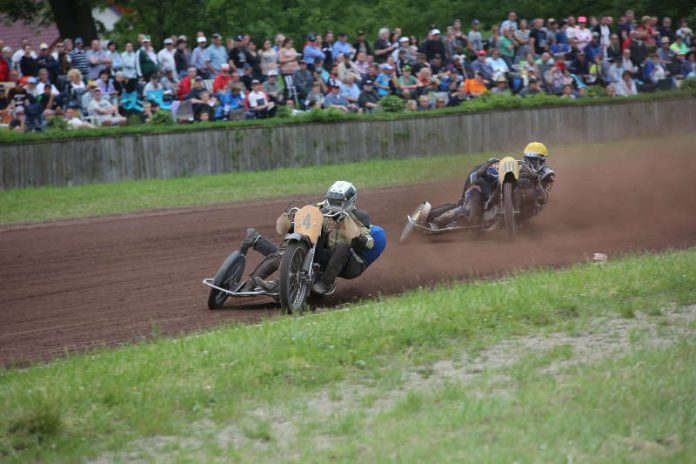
(166, 59)
(570, 32)
(17, 57)
(40, 88)
(582, 37)
(257, 99)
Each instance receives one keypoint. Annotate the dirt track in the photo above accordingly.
(79, 284)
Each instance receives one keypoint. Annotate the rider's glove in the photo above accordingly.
(360, 242)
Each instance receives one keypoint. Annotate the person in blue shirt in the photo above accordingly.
(311, 52)
(215, 55)
(342, 46)
(593, 48)
(383, 78)
(230, 99)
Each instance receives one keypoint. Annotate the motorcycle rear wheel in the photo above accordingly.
(509, 208)
(293, 290)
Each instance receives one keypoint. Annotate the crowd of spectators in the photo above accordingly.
(206, 79)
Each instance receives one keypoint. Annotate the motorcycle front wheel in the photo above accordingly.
(293, 289)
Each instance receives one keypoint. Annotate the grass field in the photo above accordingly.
(589, 364)
(51, 203)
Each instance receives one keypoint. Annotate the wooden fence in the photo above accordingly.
(203, 152)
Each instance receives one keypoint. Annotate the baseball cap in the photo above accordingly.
(403, 39)
(43, 46)
(146, 38)
(225, 66)
(361, 32)
(217, 36)
(256, 81)
(435, 31)
(239, 38)
(595, 34)
(183, 38)
(475, 22)
(168, 41)
(582, 19)
(665, 40)
(201, 39)
(32, 80)
(78, 40)
(168, 69)
(367, 82)
(199, 78)
(311, 37)
(272, 73)
(482, 52)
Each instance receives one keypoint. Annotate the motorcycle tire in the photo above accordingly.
(293, 290)
(227, 277)
(509, 209)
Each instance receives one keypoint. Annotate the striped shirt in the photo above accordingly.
(79, 61)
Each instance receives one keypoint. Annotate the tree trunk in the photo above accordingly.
(74, 19)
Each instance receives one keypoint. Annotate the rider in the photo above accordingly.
(483, 179)
(343, 257)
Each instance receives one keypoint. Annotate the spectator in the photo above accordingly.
(105, 111)
(129, 62)
(497, 64)
(311, 52)
(335, 100)
(350, 90)
(75, 89)
(303, 79)
(593, 48)
(383, 79)
(614, 51)
(679, 46)
(583, 35)
(424, 103)
(638, 51)
(361, 45)
(345, 67)
(568, 92)
(222, 78)
(604, 31)
(533, 88)
(665, 52)
(382, 47)
(44, 81)
(113, 54)
(287, 58)
(166, 55)
(407, 81)
(342, 47)
(215, 55)
(46, 61)
(315, 97)
(95, 58)
(74, 121)
(231, 105)
(369, 98)
(434, 45)
(106, 85)
(481, 65)
(506, 48)
(510, 22)
(522, 36)
(181, 57)
(537, 37)
(474, 38)
(268, 58)
(258, 102)
(610, 91)
(247, 77)
(169, 81)
(476, 86)
(28, 65)
(146, 61)
(327, 48)
(5, 64)
(685, 32)
(47, 101)
(571, 28)
(626, 87)
(501, 87)
(198, 57)
(204, 106)
(273, 88)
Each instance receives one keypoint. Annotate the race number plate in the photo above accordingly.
(308, 222)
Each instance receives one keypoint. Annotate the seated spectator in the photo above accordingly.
(567, 92)
(581, 67)
(360, 65)
(424, 103)
(593, 48)
(610, 91)
(665, 53)
(273, 88)
(44, 81)
(383, 79)
(407, 81)
(47, 101)
(231, 105)
(19, 119)
(106, 85)
(258, 104)
(626, 87)
(481, 65)
(476, 86)
(169, 81)
(335, 100)
(614, 50)
(423, 80)
(350, 90)
(346, 67)
(74, 121)
(679, 46)
(315, 97)
(440, 102)
(533, 88)
(222, 78)
(196, 90)
(104, 110)
(554, 79)
(497, 64)
(368, 100)
(204, 104)
(501, 87)
(411, 106)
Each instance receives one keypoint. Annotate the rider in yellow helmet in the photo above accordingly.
(483, 179)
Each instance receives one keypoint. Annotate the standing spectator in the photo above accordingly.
(5, 64)
(405, 53)
(327, 49)
(287, 58)
(626, 87)
(538, 38)
(253, 60)
(106, 112)
(361, 45)
(583, 35)
(627, 26)
(647, 32)
(665, 29)
(638, 50)
(17, 56)
(240, 53)
(269, 58)
(311, 52)
(96, 57)
(593, 48)
(510, 22)
(506, 47)
(215, 55)
(369, 99)
(451, 43)
(198, 57)
(604, 31)
(685, 32)
(434, 45)
(522, 40)
(383, 48)
(28, 65)
(614, 51)
(474, 38)
(342, 47)
(129, 62)
(46, 61)
(571, 28)
(166, 55)
(146, 61)
(181, 56)
(114, 55)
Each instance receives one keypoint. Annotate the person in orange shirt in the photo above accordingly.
(475, 86)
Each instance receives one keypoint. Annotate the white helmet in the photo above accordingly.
(341, 196)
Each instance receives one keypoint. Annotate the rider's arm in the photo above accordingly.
(364, 241)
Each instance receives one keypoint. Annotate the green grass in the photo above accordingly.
(486, 103)
(50, 203)
(240, 393)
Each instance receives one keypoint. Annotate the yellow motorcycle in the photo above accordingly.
(506, 206)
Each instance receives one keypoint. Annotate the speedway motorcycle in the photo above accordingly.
(301, 262)
(506, 207)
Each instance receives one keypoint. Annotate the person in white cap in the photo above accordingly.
(198, 57)
(434, 45)
(166, 55)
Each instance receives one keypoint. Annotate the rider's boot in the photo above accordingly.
(252, 236)
(265, 268)
(445, 218)
(339, 257)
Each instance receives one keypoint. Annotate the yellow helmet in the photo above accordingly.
(536, 148)
(535, 154)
